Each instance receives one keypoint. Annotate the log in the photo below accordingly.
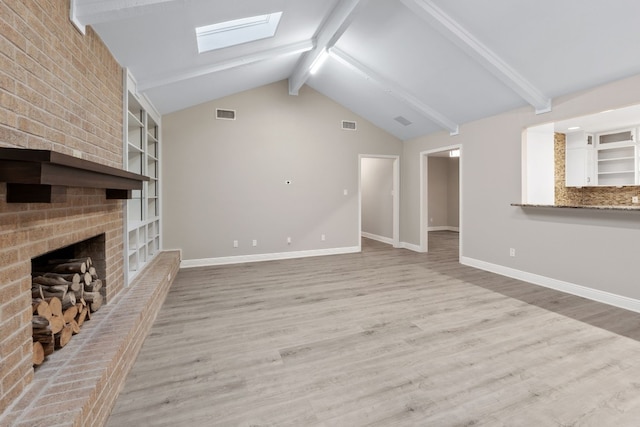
(74, 326)
(68, 300)
(57, 323)
(79, 294)
(55, 305)
(67, 277)
(41, 308)
(94, 286)
(57, 261)
(70, 277)
(94, 299)
(47, 292)
(87, 278)
(93, 273)
(38, 353)
(40, 322)
(70, 314)
(49, 348)
(47, 340)
(71, 267)
(63, 337)
(82, 316)
(50, 281)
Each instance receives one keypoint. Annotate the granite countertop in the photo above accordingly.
(596, 207)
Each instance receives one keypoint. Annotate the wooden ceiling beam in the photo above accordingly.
(337, 23)
(453, 31)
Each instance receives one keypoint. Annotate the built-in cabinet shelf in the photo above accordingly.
(142, 142)
(611, 161)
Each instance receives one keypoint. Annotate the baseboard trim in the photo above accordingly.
(559, 285)
(444, 228)
(241, 259)
(375, 237)
(411, 247)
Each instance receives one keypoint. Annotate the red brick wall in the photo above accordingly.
(59, 90)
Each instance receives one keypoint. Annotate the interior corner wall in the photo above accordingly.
(438, 191)
(443, 193)
(226, 180)
(453, 193)
(594, 249)
(377, 197)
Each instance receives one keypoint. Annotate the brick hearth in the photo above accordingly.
(78, 385)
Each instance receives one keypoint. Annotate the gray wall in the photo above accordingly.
(443, 192)
(589, 248)
(225, 180)
(453, 196)
(377, 196)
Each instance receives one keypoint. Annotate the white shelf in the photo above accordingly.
(142, 147)
(616, 172)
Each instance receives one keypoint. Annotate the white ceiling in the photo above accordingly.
(437, 63)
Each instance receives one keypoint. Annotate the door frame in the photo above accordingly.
(424, 195)
(395, 194)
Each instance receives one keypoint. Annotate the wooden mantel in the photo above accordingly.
(42, 176)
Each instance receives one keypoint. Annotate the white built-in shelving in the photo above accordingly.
(142, 145)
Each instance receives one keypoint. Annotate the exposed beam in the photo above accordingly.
(481, 53)
(395, 90)
(338, 22)
(290, 49)
(88, 12)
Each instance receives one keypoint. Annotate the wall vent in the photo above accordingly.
(403, 121)
(222, 114)
(348, 125)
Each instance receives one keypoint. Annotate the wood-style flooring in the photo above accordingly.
(386, 337)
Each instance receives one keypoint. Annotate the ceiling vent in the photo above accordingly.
(402, 120)
(347, 125)
(225, 114)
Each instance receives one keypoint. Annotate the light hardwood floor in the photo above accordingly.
(386, 337)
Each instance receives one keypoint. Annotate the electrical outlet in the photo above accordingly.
(235, 243)
(634, 199)
(345, 192)
(288, 240)
(255, 242)
(512, 252)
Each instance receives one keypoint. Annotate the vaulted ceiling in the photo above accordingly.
(412, 67)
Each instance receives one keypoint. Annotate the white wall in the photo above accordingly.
(377, 197)
(538, 165)
(453, 193)
(443, 192)
(595, 249)
(225, 180)
(438, 191)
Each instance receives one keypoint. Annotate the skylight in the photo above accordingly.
(238, 31)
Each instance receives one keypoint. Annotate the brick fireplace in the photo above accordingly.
(62, 91)
(31, 230)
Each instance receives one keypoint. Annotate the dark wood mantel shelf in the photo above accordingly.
(42, 176)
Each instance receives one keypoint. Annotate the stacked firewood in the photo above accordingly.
(65, 293)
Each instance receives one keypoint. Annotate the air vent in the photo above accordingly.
(402, 120)
(347, 125)
(225, 114)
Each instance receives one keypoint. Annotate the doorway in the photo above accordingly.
(379, 205)
(441, 193)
